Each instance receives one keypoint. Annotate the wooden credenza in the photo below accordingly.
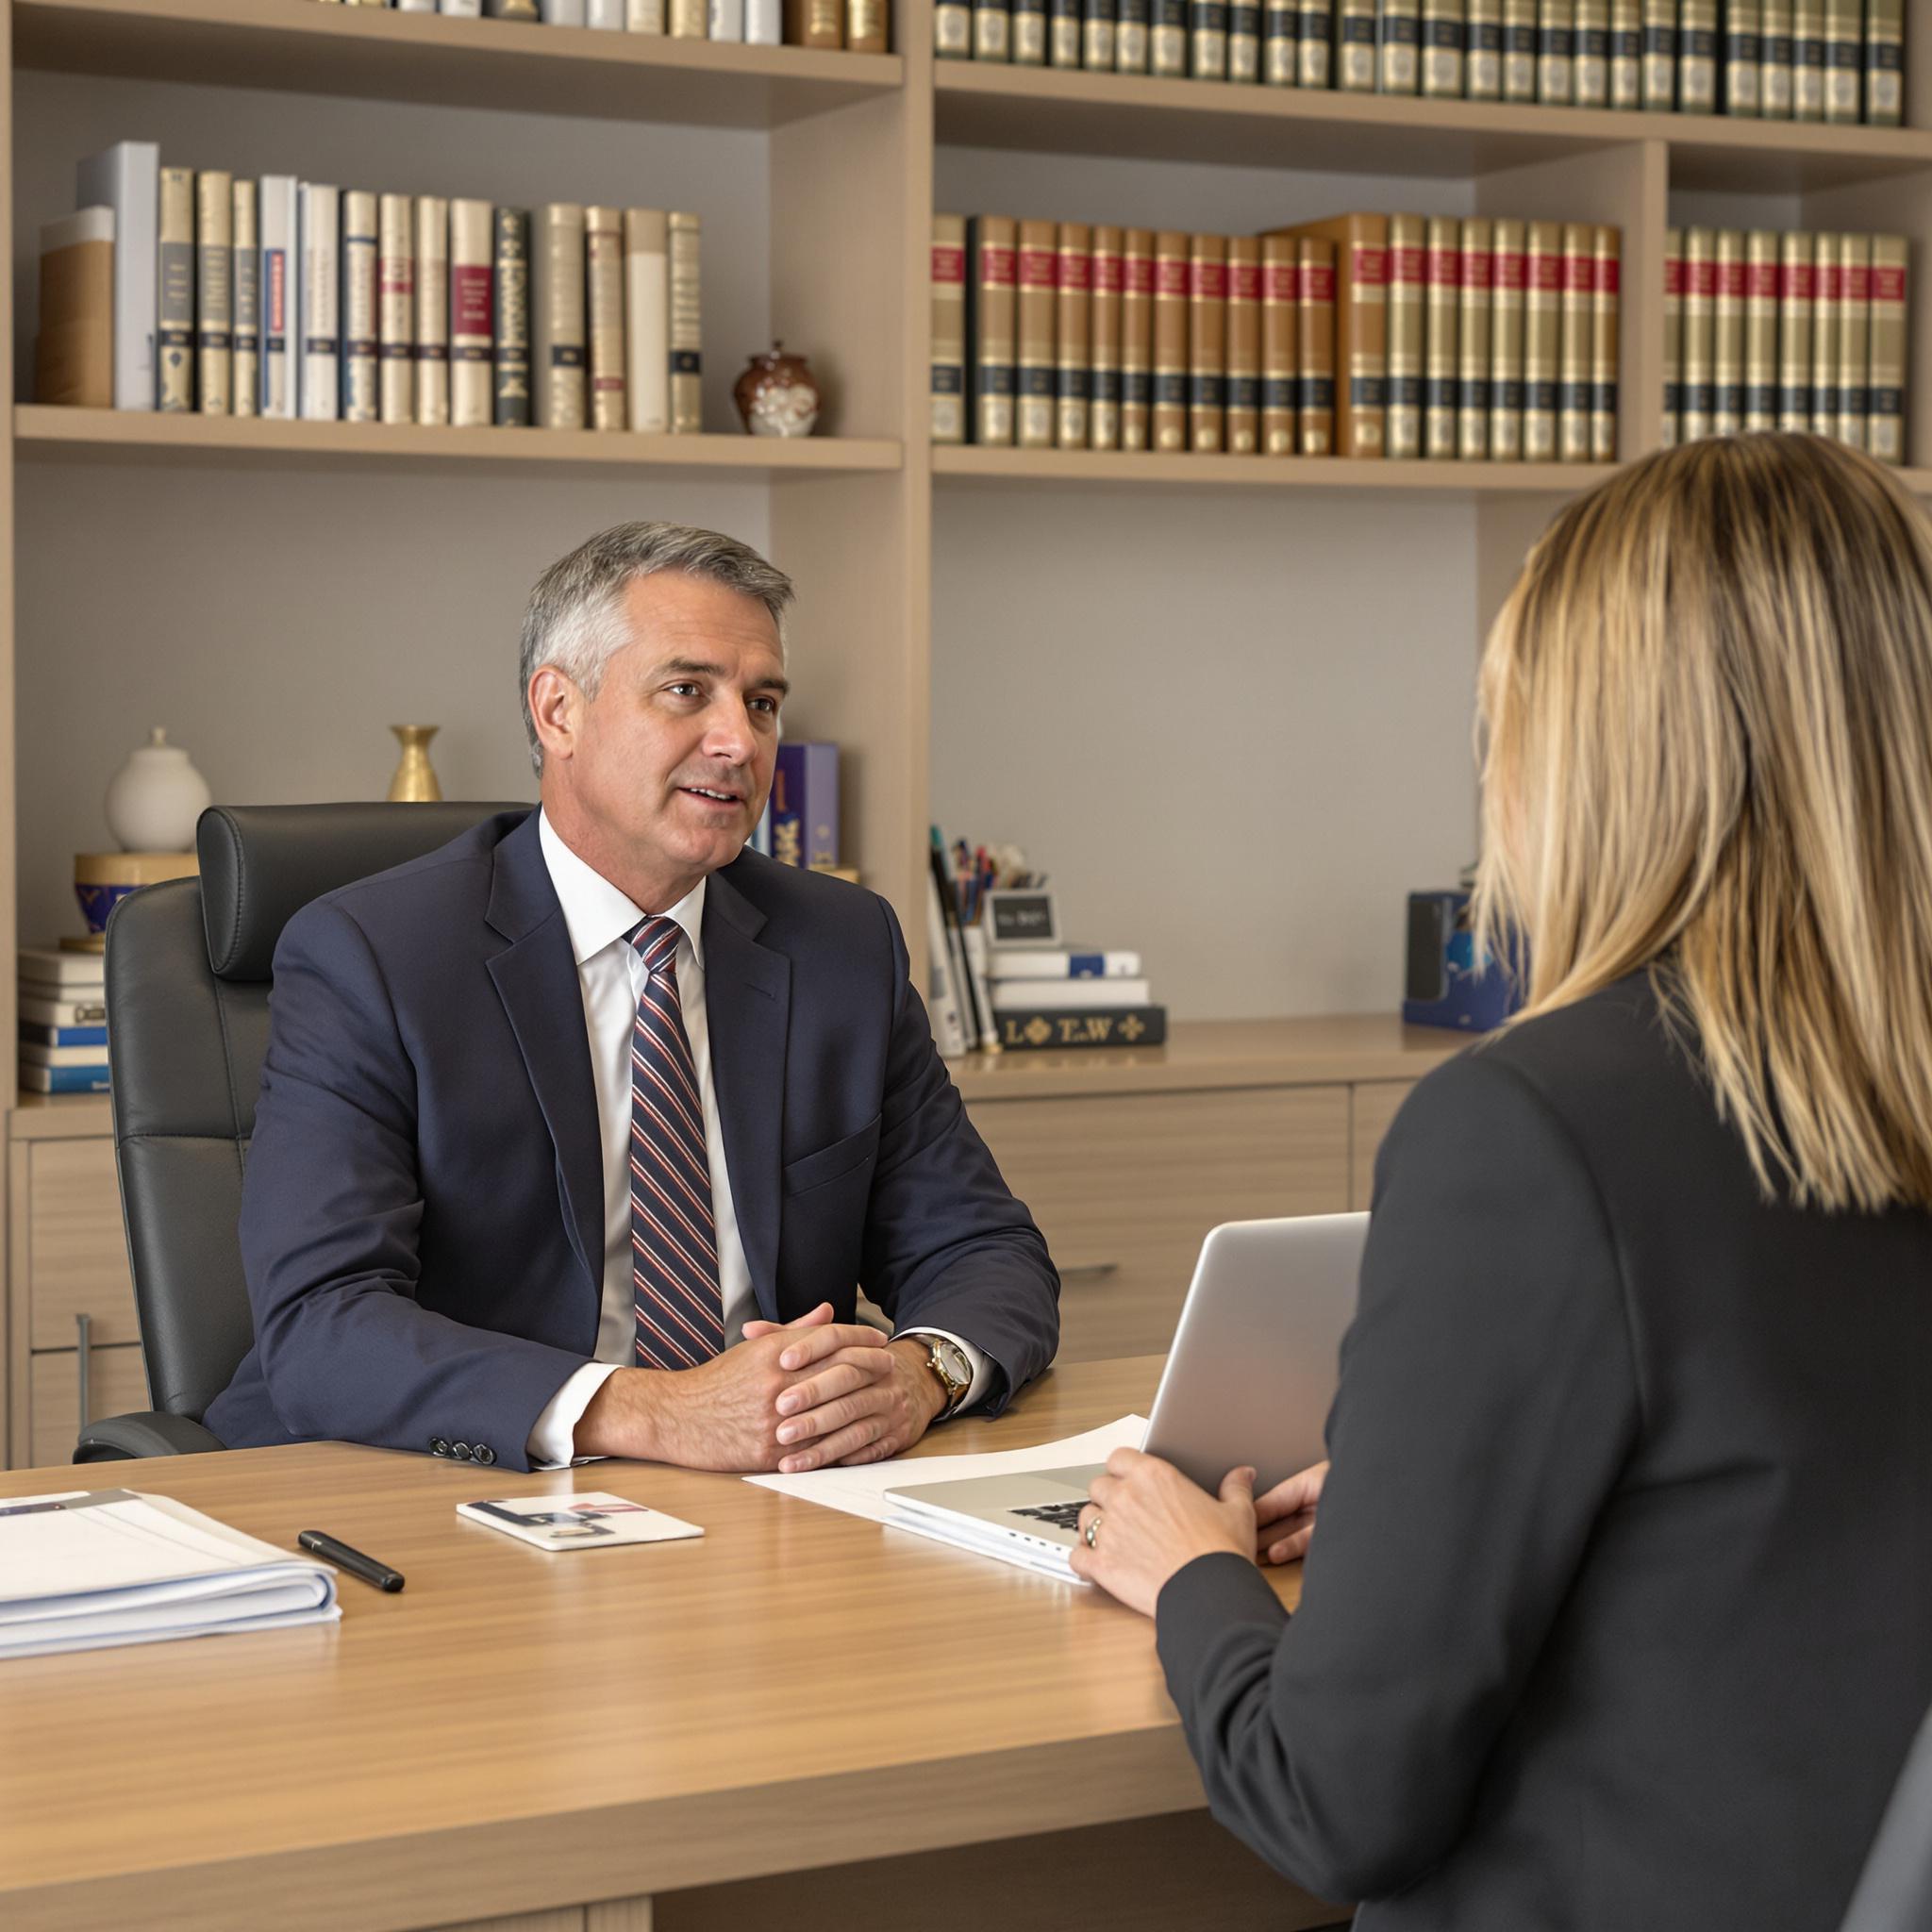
(1127, 1159)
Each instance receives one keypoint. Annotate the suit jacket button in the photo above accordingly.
(462, 1451)
(438, 1446)
(485, 1454)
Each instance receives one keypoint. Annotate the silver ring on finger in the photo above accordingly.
(1093, 1530)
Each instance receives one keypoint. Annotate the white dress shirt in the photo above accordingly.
(612, 976)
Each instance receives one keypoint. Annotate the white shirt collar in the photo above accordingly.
(595, 911)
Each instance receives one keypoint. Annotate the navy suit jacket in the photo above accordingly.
(423, 1209)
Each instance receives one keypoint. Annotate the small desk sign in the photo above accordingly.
(1022, 919)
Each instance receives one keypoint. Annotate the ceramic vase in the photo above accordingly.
(415, 780)
(155, 798)
(777, 394)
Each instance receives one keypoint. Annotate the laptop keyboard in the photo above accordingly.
(1061, 1515)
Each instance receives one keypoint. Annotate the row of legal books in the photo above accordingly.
(1839, 60)
(858, 26)
(63, 1020)
(1367, 336)
(177, 291)
(1786, 331)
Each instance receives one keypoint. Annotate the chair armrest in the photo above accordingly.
(152, 1432)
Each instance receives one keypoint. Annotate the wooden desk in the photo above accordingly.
(523, 1734)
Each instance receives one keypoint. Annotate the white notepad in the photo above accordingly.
(81, 1570)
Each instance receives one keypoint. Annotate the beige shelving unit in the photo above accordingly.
(849, 159)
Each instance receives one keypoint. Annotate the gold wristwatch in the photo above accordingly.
(948, 1362)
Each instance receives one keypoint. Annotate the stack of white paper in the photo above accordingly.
(80, 1570)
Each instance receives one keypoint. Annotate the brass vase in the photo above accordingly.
(415, 780)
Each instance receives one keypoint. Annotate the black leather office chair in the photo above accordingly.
(189, 966)
(1895, 1892)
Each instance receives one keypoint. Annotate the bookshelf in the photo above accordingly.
(1279, 652)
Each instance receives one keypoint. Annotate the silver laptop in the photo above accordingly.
(1248, 1380)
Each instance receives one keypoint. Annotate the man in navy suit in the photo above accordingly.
(579, 1136)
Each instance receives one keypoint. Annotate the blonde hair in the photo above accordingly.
(1706, 715)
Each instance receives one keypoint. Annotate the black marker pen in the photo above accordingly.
(353, 1561)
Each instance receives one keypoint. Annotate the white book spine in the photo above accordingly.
(432, 310)
(461, 9)
(606, 16)
(763, 23)
(724, 20)
(648, 315)
(685, 327)
(395, 297)
(948, 1032)
(415, 6)
(321, 311)
(127, 179)
(280, 308)
(361, 240)
(561, 12)
(246, 400)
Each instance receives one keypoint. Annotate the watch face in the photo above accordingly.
(953, 1360)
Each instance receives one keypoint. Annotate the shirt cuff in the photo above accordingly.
(553, 1440)
(982, 1364)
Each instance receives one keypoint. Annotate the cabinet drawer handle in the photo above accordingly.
(1089, 1270)
(82, 1327)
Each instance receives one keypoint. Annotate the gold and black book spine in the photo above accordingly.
(1700, 335)
(1885, 432)
(1809, 48)
(1797, 295)
(1775, 94)
(1660, 56)
(992, 30)
(604, 306)
(1743, 58)
(1281, 22)
(1555, 52)
(1314, 45)
(1672, 431)
(1885, 62)
(1097, 35)
(1315, 387)
(1137, 338)
(1697, 56)
(1361, 320)
(949, 345)
(1207, 38)
(1104, 331)
(1028, 33)
(1727, 351)
(214, 289)
(1064, 33)
(1356, 39)
(1039, 287)
(1244, 42)
(1409, 292)
(1590, 75)
(808, 23)
(1519, 50)
(1207, 344)
(1605, 344)
(1072, 304)
(560, 349)
(1243, 423)
(1170, 408)
(866, 27)
(361, 391)
(1510, 266)
(952, 30)
(1853, 337)
(1281, 342)
(1443, 338)
(1130, 48)
(509, 395)
(687, 20)
(509, 9)
(1760, 329)
(684, 235)
(1542, 339)
(991, 286)
(1476, 329)
(246, 387)
(1827, 305)
(1167, 40)
(1626, 55)
(395, 307)
(1844, 62)
(1483, 63)
(1399, 46)
(1445, 52)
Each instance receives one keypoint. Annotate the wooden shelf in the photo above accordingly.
(1053, 111)
(134, 436)
(375, 53)
(1097, 468)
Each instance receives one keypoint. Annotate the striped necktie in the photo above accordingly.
(674, 1239)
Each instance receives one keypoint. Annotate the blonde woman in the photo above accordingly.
(1619, 1611)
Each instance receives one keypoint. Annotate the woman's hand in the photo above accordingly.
(1286, 1516)
(1152, 1520)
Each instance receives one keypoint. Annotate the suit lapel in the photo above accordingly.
(536, 978)
(748, 1010)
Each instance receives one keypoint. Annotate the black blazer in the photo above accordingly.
(1619, 1614)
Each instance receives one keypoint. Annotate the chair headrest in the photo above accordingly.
(260, 864)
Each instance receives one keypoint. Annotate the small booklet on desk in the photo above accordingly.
(81, 1570)
(593, 1522)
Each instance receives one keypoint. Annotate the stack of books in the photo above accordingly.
(1043, 997)
(287, 298)
(858, 26)
(1477, 340)
(1837, 60)
(800, 822)
(1786, 331)
(63, 1020)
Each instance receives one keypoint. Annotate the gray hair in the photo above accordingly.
(575, 621)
